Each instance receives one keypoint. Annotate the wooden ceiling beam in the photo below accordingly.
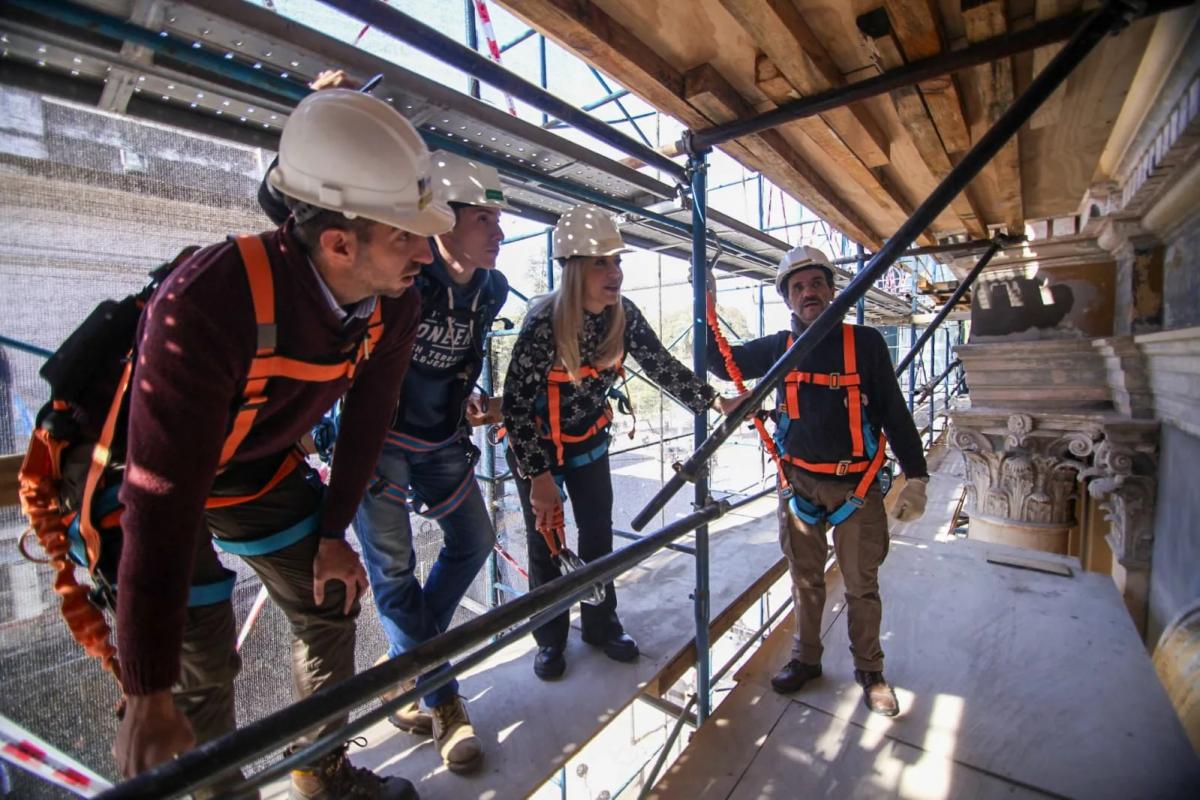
(915, 27)
(984, 19)
(1047, 113)
(772, 83)
(916, 119)
(779, 30)
(583, 28)
(707, 90)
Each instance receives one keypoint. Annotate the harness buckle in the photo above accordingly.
(835, 382)
(842, 468)
(855, 500)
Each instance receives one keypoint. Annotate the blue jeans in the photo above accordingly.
(444, 478)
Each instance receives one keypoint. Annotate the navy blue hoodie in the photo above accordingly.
(448, 350)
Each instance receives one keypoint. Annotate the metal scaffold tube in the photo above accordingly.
(698, 167)
(1040, 35)
(209, 760)
(1114, 15)
(395, 23)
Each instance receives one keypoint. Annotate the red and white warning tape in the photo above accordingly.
(489, 33)
(21, 748)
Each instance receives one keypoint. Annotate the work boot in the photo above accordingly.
(457, 744)
(409, 717)
(878, 696)
(794, 675)
(550, 663)
(618, 647)
(334, 778)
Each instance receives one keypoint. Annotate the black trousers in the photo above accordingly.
(589, 489)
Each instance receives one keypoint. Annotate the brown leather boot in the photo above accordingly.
(409, 717)
(334, 778)
(457, 744)
(878, 696)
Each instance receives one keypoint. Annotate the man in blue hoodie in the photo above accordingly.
(428, 461)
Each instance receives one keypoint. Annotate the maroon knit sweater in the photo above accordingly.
(196, 341)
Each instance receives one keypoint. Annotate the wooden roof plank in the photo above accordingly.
(1043, 10)
(708, 91)
(983, 19)
(915, 25)
(583, 28)
(911, 109)
(779, 90)
(780, 31)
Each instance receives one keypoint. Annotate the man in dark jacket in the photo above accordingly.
(240, 351)
(831, 412)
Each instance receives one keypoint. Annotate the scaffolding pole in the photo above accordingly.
(1111, 17)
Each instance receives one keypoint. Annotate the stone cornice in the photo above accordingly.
(1173, 367)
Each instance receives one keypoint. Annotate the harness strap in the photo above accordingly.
(555, 378)
(583, 459)
(412, 444)
(262, 294)
(813, 514)
(853, 395)
(101, 455)
(293, 459)
(266, 364)
(269, 544)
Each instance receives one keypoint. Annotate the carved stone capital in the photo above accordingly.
(1121, 478)
(1022, 473)
(1025, 473)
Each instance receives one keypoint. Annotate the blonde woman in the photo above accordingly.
(556, 408)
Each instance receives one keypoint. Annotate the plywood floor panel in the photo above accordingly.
(1011, 683)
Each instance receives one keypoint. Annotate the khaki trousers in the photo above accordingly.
(323, 638)
(322, 651)
(860, 544)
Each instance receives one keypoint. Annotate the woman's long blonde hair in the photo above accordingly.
(567, 321)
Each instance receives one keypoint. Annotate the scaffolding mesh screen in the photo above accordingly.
(92, 203)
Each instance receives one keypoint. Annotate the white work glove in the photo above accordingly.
(911, 503)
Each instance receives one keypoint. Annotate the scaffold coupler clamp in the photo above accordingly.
(689, 475)
(1003, 239)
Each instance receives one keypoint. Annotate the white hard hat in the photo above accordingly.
(587, 230)
(798, 258)
(350, 152)
(461, 180)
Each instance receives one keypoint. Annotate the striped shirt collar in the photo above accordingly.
(363, 309)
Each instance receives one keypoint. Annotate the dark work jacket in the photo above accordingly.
(448, 352)
(822, 434)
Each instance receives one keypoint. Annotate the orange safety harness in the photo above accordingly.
(735, 372)
(867, 453)
(40, 476)
(554, 432)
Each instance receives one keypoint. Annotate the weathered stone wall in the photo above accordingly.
(1041, 300)
(1181, 279)
(1175, 563)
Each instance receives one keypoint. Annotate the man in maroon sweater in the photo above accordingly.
(356, 176)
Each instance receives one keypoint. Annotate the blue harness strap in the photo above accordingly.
(583, 459)
(269, 544)
(209, 594)
(414, 445)
(410, 499)
(814, 514)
